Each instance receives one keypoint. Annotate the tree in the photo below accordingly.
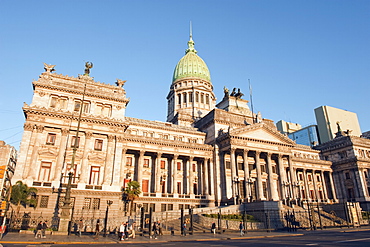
(22, 195)
(130, 193)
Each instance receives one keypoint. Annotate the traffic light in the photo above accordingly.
(2, 171)
(3, 205)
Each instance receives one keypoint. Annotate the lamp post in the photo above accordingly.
(249, 182)
(106, 217)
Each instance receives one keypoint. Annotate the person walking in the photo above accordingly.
(213, 228)
(184, 229)
(44, 227)
(80, 227)
(159, 228)
(39, 230)
(241, 228)
(126, 230)
(122, 231)
(97, 229)
(132, 230)
(155, 230)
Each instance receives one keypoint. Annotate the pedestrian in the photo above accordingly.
(155, 230)
(241, 228)
(44, 227)
(213, 228)
(122, 231)
(126, 230)
(184, 229)
(39, 230)
(80, 227)
(159, 228)
(133, 235)
(97, 229)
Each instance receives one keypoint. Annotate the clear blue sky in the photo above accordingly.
(298, 54)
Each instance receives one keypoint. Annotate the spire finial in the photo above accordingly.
(191, 31)
(191, 42)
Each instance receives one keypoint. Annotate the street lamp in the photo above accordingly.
(237, 196)
(249, 182)
(106, 217)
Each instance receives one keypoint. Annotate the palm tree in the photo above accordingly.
(22, 195)
(131, 192)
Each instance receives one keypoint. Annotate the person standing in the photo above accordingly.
(80, 227)
(122, 231)
(241, 228)
(39, 230)
(97, 229)
(44, 227)
(126, 230)
(213, 228)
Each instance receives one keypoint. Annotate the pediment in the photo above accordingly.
(263, 133)
(48, 151)
(96, 157)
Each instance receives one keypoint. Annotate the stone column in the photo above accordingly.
(123, 165)
(233, 173)
(117, 169)
(260, 195)
(314, 178)
(174, 174)
(323, 185)
(84, 172)
(191, 176)
(332, 187)
(140, 167)
(272, 189)
(36, 144)
(211, 178)
(205, 180)
(60, 159)
(293, 178)
(28, 135)
(282, 176)
(246, 175)
(158, 186)
(306, 186)
(109, 161)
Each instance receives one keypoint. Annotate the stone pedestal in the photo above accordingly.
(63, 227)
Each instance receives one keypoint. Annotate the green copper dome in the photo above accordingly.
(191, 65)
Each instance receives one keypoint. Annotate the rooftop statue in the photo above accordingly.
(88, 66)
(49, 68)
(239, 94)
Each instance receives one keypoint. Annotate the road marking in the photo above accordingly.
(312, 244)
(352, 240)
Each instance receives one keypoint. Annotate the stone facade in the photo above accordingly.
(350, 157)
(205, 155)
(8, 160)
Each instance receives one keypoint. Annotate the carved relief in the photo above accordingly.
(28, 126)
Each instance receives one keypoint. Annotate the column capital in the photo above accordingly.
(111, 137)
(39, 128)
(28, 127)
(88, 134)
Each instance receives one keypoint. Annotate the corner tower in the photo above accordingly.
(191, 94)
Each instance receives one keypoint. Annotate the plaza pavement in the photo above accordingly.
(21, 238)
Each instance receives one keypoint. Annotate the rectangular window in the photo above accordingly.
(191, 97)
(87, 203)
(75, 142)
(146, 207)
(347, 175)
(146, 163)
(128, 161)
(69, 169)
(240, 166)
(53, 102)
(99, 109)
(94, 175)
(77, 106)
(170, 207)
(163, 164)
(228, 165)
(98, 146)
(273, 168)
(63, 103)
(207, 99)
(179, 187)
(263, 168)
(178, 166)
(96, 203)
(44, 201)
(50, 140)
(107, 111)
(309, 177)
(145, 185)
(194, 167)
(163, 207)
(45, 168)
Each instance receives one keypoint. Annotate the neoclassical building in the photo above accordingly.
(205, 154)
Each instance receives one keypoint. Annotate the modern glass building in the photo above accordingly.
(306, 136)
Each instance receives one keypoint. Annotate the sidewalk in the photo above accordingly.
(17, 238)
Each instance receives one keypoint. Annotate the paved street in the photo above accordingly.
(330, 237)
